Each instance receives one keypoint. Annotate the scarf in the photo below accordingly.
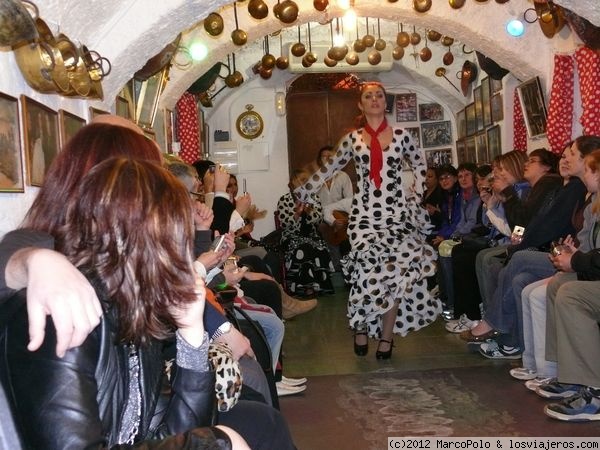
(376, 152)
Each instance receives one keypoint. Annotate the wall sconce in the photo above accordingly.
(280, 103)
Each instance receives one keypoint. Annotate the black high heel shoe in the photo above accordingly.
(387, 354)
(361, 350)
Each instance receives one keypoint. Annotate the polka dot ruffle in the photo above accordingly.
(187, 117)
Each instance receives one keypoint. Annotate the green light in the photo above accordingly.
(198, 51)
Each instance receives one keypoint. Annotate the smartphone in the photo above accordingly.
(217, 243)
(517, 234)
(244, 191)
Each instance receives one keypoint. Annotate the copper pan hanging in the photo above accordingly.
(17, 22)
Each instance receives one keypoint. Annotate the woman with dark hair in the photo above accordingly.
(432, 197)
(389, 261)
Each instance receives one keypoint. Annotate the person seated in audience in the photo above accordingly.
(432, 198)
(307, 260)
(573, 309)
(126, 217)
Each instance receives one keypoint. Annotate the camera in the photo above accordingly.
(556, 249)
(517, 235)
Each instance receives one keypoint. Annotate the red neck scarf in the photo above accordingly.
(376, 152)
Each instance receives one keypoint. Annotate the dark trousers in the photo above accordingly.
(466, 288)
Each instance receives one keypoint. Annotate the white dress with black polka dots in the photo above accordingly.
(389, 259)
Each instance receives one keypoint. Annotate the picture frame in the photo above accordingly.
(430, 112)
(436, 134)
(147, 100)
(461, 151)
(438, 157)
(11, 156)
(406, 107)
(69, 124)
(534, 107)
(168, 130)
(494, 142)
(471, 119)
(415, 134)
(485, 102)
(481, 148)
(389, 103)
(477, 100)
(461, 124)
(96, 112)
(123, 107)
(497, 108)
(470, 149)
(495, 86)
(41, 138)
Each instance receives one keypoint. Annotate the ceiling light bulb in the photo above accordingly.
(343, 4)
(198, 51)
(515, 28)
(339, 41)
(349, 20)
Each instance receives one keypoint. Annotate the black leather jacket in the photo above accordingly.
(76, 402)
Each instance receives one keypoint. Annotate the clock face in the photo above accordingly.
(250, 124)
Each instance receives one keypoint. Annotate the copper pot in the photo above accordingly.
(425, 54)
(456, 4)
(374, 57)
(230, 81)
(268, 61)
(337, 53)
(403, 39)
(368, 40)
(329, 62)
(433, 35)
(352, 58)
(448, 58)
(213, 24)
(398, 53)
(421, 5)
(298, 49)
(287, 11)
(447, 41)
(305, 62)
(359, 46)
(380, 44)
(265, 73)
(238, 78)
(311, 57)
(415, 38)
(282, 63)
(321, 5)
(17, 22)
(239, 37)
(258, 9)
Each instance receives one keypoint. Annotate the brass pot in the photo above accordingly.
(415, 38)
(456, 4)
(17, 22)
(447, 41)
(398, 53)
(282, 63)
(433, 35)
(448, 58)
(359, 46)
(425, 54)
(238, 78)
(352, 58)
(403, 39)
(298, 49)
(230, 81)
(374, 57)
(239, 37)
(421, 5)
(329, 62)
(320, 5)
(258, 9)
(380, 44)
(268, 61)
(305, 62)
(287, 11)
(337, 53)
(213, 24)
(311, 57)
(265, 73)
(368, 40)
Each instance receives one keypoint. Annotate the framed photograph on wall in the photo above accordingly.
(461, 151)
(147, 101)
(406, 107)
(485, 102)
(11, 161)
(533, 106)
(69, 124)
(414, 133)
(461, 124)
(494, 142)
(96, 112)
(430, 111)
(497, 108)
(41, 138)
(123, 108)
(477, 99)
(436, 134)
(168, 124)
(470, 149)
(495, 86)
(438, 157)
(482, 148)
(471, 119)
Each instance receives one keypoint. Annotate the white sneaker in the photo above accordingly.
(285, 389)
(460, 325)
(293, 381)
(532, 385)
(521, 373)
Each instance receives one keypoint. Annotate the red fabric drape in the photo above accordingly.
(520, 132)
(560, 110)
(187, 120)
(588, 67)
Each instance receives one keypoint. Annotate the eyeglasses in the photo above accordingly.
(445, 177)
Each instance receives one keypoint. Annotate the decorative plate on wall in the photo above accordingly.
(249, 124)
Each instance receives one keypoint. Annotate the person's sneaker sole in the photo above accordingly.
(497, 354)
(293, 381)
(284, 390)
(532, 385)
(521, 373)
(581, 417)
(555, 395)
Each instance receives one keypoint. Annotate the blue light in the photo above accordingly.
(515, 28)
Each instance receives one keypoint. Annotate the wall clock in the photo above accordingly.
(249, 124)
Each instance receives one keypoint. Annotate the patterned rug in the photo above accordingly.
(361, 411)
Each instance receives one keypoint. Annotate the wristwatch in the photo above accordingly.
(224, 328)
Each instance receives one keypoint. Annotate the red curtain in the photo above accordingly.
(588, 67)
(560, 111)
(187, 120)
(520, 132)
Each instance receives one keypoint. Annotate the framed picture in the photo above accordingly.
(497, 108)
(147, 100)
(123, 107)
(11, 161)
(494, 142)
(485, 101)
(96, 112)
(430, 111)
(495, 86)
(438, 157)
(40, 126)
(406, 107)
(414, 133)
(533, 106)
(436, 134)
(461, 124)
(389, 103)
(478, 107)
(69, 125)
(470, 149)
(471, 119)
(482, 148)
(168, 123)
(461, 151)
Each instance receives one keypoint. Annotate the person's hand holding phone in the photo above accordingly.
(242, 204)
